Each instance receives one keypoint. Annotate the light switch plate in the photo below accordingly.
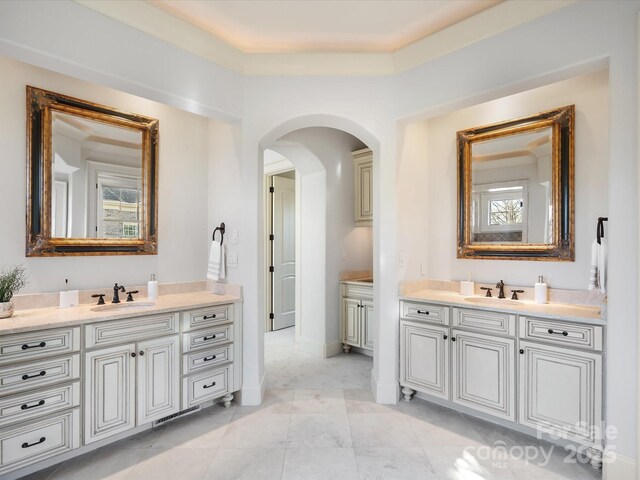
(232, 259)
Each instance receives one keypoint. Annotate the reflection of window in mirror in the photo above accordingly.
(501, 212)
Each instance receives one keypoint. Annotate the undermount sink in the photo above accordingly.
(493, 301)
(121, 306)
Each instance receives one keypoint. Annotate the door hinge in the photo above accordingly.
(272, 189)
(272, 237)
(272, 269)
(271, 316)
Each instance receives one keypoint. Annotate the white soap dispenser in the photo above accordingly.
(152, 288)
(541, 290)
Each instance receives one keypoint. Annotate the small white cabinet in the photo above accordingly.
(357, 317)
(484, 373)
(363, 186)
(424, 359)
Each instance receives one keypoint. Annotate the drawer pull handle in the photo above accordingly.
(27, 445)
(27, 407)
(41, 374)
(551, 332)
(426, 312)
(207, 317)
(209, 386)
(209, 338)
(206, 359)
(39, 345)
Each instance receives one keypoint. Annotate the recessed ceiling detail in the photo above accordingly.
(312, 26)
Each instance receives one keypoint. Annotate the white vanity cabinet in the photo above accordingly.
(531, 374)
(363, 186)
(39, 396)
(131, 384)
(357, 316)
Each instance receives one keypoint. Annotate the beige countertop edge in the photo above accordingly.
(54, 317)
(555, 311)
(357, 282)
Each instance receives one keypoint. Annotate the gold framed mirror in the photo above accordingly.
(92, 178)
(516, 188)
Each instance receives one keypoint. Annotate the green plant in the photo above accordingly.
(11, 281)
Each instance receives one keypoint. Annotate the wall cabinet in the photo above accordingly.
(357, 317)
(489, 362)
(363, 186)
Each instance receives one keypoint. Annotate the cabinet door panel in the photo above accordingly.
(158, 378)
(351, 321)
(109, 392)
(367, 324)
(483, 373)
(424, 354)
(560, 390)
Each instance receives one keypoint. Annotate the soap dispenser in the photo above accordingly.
(541, 290)
(152, 288)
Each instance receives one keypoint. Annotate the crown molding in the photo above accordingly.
(179, 33)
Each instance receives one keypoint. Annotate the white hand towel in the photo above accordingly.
(593, 271)
(603, 253)
(215, 269)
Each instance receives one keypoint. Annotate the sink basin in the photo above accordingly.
(493, 301)
(121, 306)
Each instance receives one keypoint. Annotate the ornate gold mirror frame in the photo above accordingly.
(41, 105)
(561, 247)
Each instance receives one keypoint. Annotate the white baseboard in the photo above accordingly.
(385, 393)
(251, 395)
(618, 467)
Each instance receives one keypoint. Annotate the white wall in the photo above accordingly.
(183, 157)
(433, 177)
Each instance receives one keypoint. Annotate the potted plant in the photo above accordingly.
(11, 281)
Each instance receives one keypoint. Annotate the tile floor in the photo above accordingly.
(319, 421)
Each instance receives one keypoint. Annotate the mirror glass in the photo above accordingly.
(96, 179)
(511, 179)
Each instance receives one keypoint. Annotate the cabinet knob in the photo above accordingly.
(141, 353)
(453, 339)
(445, 336)
(133, 354)
(521, 351)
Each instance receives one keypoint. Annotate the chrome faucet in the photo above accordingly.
(500, 285)
(116, 293)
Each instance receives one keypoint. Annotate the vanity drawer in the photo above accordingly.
(130, 329)
(43, 343)
(424, 312)
(15, 378)
(561, 333)
(36, 441)
(207, 338)
(485, 322)
(358, 291)
(207, 317)
(28, 405)
(196, 361)
(206, 386)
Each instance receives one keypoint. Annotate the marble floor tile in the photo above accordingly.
(360, 400)
(106, 463)
(319, 401)
(319, 430)
(204, 429)
(550, 462)
(171, 464)
(267, 430)
(393, 464)
(320, 464)
(246, 464)
(391, 430)
(461, 463)
(42, 474)
(276, 400)
(451, 429)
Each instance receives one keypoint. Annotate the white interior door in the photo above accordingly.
(284, 252)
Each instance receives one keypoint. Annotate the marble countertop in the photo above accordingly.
(360, 281)
(558, 311)
(53, 317)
